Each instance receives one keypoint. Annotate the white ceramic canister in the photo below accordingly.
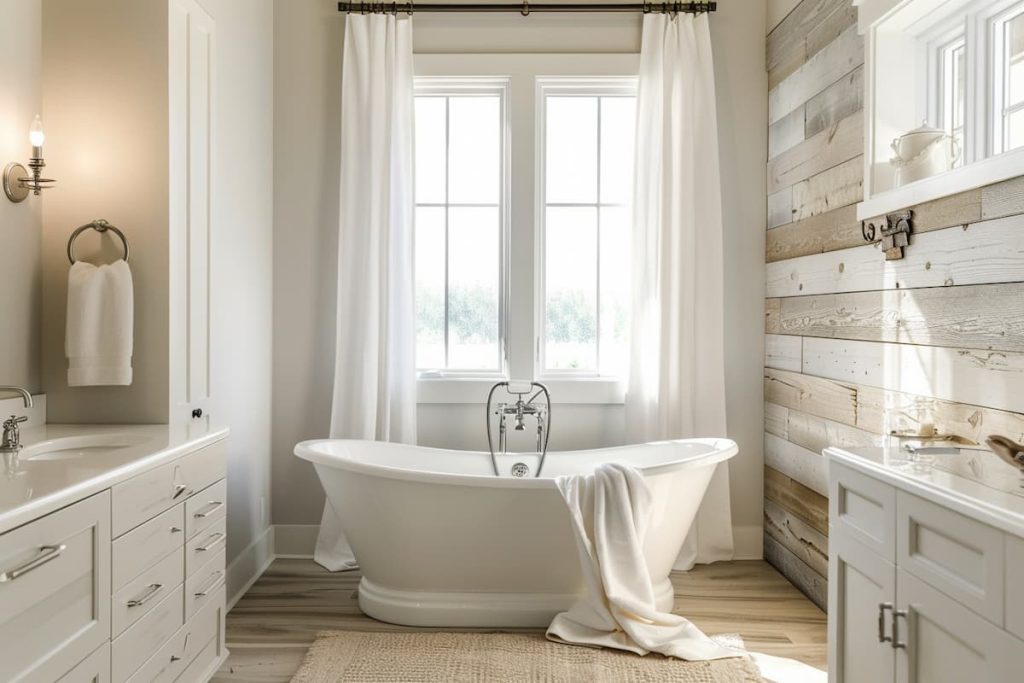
(923, 152)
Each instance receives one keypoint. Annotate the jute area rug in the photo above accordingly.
(435, 657)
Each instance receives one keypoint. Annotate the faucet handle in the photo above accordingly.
(14, 420)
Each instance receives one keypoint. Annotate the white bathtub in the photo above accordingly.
(441, 541)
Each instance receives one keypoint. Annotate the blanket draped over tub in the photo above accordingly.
(610, 512)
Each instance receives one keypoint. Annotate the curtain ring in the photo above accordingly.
(394, 8)
(525, 11)
(409, 8)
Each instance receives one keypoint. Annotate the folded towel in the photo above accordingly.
(98, 339)
(610, 511)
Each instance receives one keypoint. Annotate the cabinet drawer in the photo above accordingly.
(138, 597)
(143, 546)
(864, 508)
(206, 466)
(204, 546)
(1015, 585)
(205, 508)
(138, 643)
(55, 591)
(959, 556)
(93, 669)
(202, 587)
(184, 646)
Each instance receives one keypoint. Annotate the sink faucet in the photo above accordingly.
(11, 440)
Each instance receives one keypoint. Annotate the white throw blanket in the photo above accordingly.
(610, 515)
(98, 338)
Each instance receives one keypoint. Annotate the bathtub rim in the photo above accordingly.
(722, 449)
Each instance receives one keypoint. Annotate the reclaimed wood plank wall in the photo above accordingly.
(856, 346)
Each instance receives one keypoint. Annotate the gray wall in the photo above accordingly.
(307, 64)
(20, 224)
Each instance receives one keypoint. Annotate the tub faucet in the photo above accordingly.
(519, 411)
(11, 441)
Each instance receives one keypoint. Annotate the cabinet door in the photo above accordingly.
(859, 583)
(947, 643)
(191, 53)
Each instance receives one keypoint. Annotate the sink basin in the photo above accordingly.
(75, 447)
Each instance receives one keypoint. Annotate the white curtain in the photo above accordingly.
(677, 368)
(375, 363)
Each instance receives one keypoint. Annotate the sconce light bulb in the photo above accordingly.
(35, 133)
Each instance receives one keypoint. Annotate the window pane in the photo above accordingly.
(474, 164)
(570, 287)
(570, 142)
(618, 117)
(1015, 129)
(430, 287)
(430, 149)
(473, 288)
(1015, 58)
(615, 290)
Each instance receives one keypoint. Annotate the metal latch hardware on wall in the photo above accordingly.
(893, 231)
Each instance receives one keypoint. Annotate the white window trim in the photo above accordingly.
(521, 71)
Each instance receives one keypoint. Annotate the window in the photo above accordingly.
(523, 192)
(952, 59)
(1008, 56)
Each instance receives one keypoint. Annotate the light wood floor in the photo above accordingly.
(274, 623)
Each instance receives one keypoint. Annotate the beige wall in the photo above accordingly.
(307, 85)
(20, 224)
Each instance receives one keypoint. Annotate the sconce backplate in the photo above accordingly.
(13, 188)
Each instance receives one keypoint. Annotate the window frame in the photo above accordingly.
(523, 241)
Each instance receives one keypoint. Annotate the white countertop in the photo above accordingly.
(39, 486)
(990, 491)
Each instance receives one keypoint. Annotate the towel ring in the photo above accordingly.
(98, 225)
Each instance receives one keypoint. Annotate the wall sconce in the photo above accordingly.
(17, 182)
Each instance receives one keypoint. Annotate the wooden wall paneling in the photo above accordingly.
(786, 133)
(1003, 199)
(956, 210)
(796, 462)
(829, 231)
(780, 208)
(776, 420)
(831, 26)
(983, 253)
(834, 103)
(840, 142)
(786, 47)
(838, 186)
(808, 581)
(783, 352)
(824, 68)
(807, 504)
(824, 398)
(800, 538)
(816, 434)
(985, 378)
(971, 316)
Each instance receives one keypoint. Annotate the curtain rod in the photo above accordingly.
(525, 8)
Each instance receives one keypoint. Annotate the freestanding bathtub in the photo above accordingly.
(441, 541)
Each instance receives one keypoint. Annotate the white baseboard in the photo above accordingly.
(249, 565)
(295, 540)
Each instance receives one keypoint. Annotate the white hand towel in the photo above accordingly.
(610, 511)
(98, 339)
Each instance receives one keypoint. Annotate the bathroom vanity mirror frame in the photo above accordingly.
(883, 23)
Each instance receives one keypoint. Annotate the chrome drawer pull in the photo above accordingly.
(153, 589)
(179, 489)
(882, 607)
(209, 509)
(47, 553)
(209, 585)
(213, 540)
(896, 614)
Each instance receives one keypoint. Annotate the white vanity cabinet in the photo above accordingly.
(921, 589)
(125, 585)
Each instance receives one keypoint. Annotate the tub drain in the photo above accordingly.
(520, 469)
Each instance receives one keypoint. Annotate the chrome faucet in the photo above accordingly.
(519, 410)
(11, 441)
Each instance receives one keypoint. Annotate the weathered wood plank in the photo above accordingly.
(782, 353)
(816, 434)
(834, 103)
(808, 505)
(808, 581)
(829, 231)
(1003, 199)
(985, 378)
(840, 142)
(776, 421)
(789, 37)
(780, 208)
(842, 17)
(786, 133)
(800, 538)
(841, 56)
(984, 253)
(989, 317)
(880, 411)
(838, 186)
(772, 307)
(796, 462)
(960, 209)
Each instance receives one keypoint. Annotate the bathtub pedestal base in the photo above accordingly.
(475, 610)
